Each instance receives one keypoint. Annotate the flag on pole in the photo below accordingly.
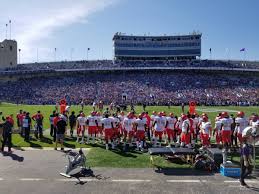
(210, 50)
(242, 49)
(88, 49)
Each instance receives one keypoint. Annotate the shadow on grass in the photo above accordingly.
(119, 150)
(32, 143)
(46, 140)
(68, 145)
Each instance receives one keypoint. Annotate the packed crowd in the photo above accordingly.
(114, 128)
(136, 88)
(132, 63)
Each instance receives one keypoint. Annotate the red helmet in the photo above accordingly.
(205, 118)
(160, 114)
(164, 113)
(129, 114)
(171, 114)
(240, 114)
(224, 114)
(154, 112)
(122, 113)
(82, 114)
(92, 113)
(140, 116)
(184, 117)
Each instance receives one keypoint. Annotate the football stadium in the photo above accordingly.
(155, 115)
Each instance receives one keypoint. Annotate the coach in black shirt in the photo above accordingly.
(7, 135)
(61, 129)
(72, 122)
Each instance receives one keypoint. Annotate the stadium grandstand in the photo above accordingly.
(182, 47)
(141, 71)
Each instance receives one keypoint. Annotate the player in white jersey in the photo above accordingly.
(81, 125)
(92, 124)
(241, 124)
(185, 132)
(116, 131)
(217, 130)
(206, 131)
(98, 118)
(121, 118)
(128, 124)
(107, 125)
(226, 122)
(152, 117)
(178, 129)
(170, 128)
(158, 125)
(141, 126)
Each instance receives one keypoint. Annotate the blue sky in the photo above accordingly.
(72, 26)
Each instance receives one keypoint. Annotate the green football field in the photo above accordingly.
(46, 110)
(100, 157)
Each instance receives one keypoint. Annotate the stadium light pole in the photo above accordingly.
(87, 53)
(19, 60)
(10, 26)
(55, 52)
(6, 29)
(37, 55)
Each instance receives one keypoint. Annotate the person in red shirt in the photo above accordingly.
(20, 117)
(55, 121)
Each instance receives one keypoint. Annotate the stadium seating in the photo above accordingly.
(151, 88)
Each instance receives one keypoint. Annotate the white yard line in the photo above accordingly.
(215, 110)
(130, 180)
(183, 181)
(237, 181)
(31, 179)
(75, 180)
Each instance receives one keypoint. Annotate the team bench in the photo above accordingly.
(185, 154)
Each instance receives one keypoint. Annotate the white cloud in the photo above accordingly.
(34, 21)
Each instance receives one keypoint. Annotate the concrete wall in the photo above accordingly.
(8, 54)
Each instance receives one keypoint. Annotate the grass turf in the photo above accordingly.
(46, 110)
(98, 156)
(18, 142)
